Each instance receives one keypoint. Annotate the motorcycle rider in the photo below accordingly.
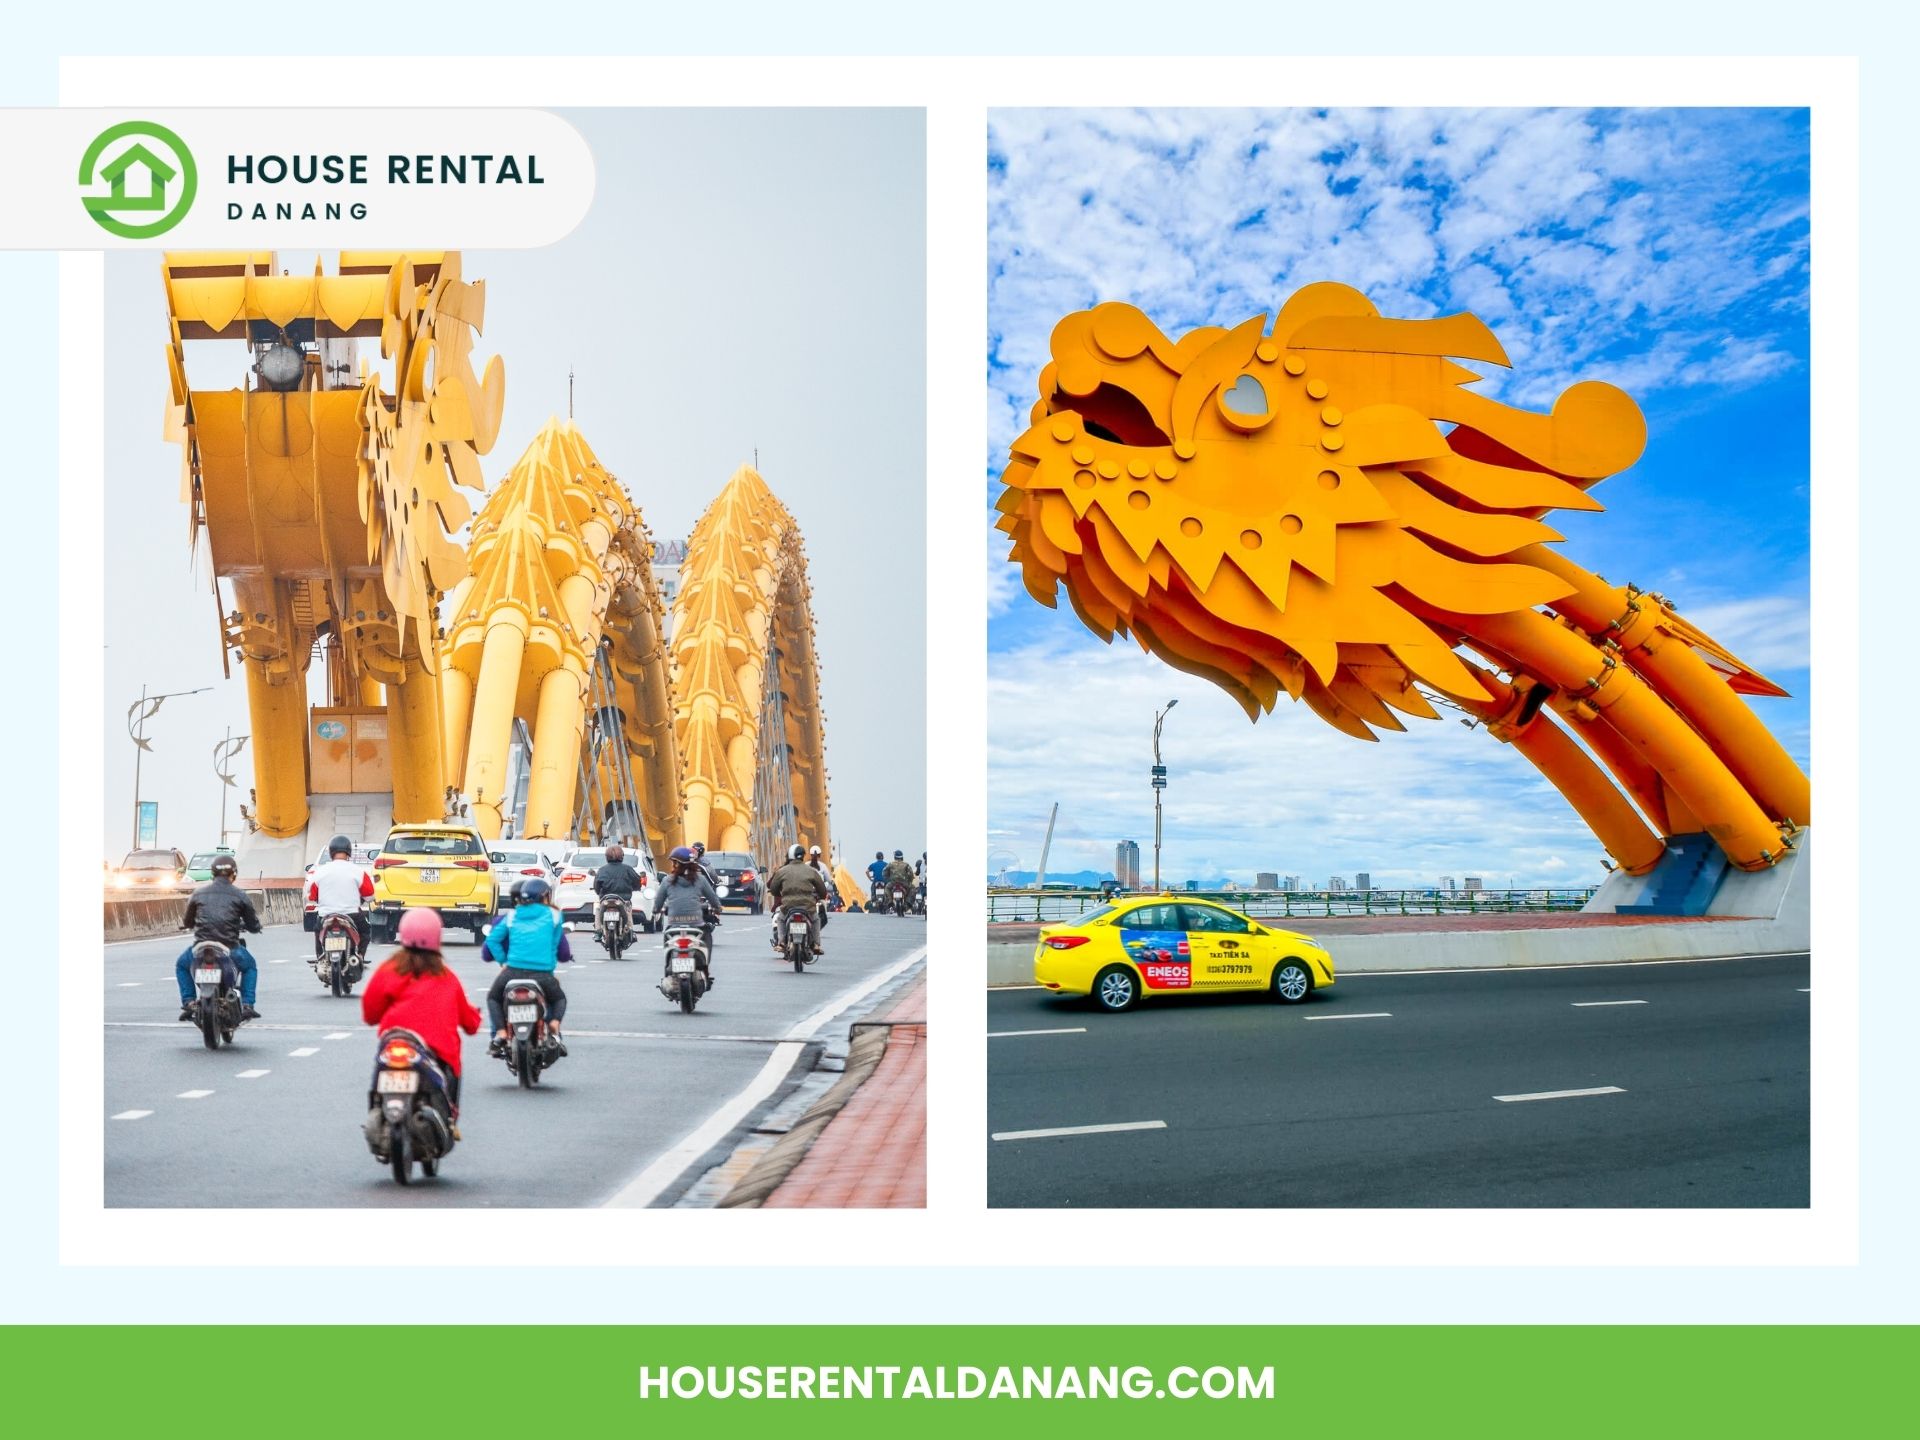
(899, 872)
(340, 887)
(794, 883)
(819, 865)
(699, 851)
(876, 872)
(530, 946)
(685, 896)
(414, 990)
(616, 877)
(220, 910)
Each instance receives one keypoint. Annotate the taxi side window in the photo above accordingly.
(1217, 922)
(1153, 917)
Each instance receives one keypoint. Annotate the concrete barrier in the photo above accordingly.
(143, 917)
(1010, 962)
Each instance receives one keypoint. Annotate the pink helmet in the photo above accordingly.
(419, 929)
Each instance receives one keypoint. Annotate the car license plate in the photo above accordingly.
(682, 964)
(430, 877)
(397, 1082)
(206, 977)
(522, 1014)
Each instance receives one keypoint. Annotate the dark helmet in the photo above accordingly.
(513, 892)
(681, 855)
(615, 854)
(535, 891)
(879, 855)
(225, 867)
(699, 847)
(898, 855)
(340, 845)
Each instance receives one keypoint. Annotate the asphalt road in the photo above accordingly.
(1383, 1091)
(274, 1119)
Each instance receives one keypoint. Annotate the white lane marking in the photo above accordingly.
(1359, 1015)
(252, 1074)
(647, 1186)
(1562, 1094)
(1597, 1004)
(128, 985)
(1804, 989)
(1007, 1034)
(131, 1115)
(277, 960)
(337, 1035)
(193, 1094)
(1080, 1130)
(303, 1052)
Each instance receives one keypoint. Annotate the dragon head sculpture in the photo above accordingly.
(1283, 511)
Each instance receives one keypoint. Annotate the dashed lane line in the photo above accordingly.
(1080, 1130)
(252, 1074)
(131, 1115)
(303, 1052)
(128, 985)
(1561, 1094)
(1601, 1004)
(1010, 1034)
(193, 1094)
(1357, 1015)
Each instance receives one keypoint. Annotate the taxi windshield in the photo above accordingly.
(430, 844)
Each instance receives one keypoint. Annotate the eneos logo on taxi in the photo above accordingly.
(1163, 957)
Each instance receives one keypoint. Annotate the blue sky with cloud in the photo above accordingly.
(1665, 251)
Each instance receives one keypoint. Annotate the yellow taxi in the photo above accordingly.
(443, 866)
(1175, 945)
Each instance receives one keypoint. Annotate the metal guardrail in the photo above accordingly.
(1009, 906)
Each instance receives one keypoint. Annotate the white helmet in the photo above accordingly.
(796, 852)
(814, 853)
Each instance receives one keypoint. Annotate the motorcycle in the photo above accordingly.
(899, 898)
(684, 976)
(339, 965)
(615, 926)
(410, 1110)
(216, 985)
(530, 1048)
(800, 922)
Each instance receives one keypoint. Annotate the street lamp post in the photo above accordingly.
(1159, 785)
(141, 711)
(223, 758)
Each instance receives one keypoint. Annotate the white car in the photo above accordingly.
(573, 894)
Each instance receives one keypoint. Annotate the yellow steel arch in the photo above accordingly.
(332, 507)
(747, 693)
(1281, 512)
(329, 503)
(561, 566)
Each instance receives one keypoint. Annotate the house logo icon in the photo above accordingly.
(149, 177)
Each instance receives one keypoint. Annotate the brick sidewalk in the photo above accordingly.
(873, 1155)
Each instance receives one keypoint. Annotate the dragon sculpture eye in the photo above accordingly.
(1247, 397)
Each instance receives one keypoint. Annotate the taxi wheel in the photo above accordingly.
(1116, 988)
(1292, 982)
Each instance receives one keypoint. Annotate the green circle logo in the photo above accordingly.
(139, 178)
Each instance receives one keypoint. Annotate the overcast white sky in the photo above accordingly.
(746, 278)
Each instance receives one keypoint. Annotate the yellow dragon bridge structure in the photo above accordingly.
(517, 666)
(1281, 512)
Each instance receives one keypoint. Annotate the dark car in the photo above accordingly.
(735, 877)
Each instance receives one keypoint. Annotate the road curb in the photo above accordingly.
(771, 1170)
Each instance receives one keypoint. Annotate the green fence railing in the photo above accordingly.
(1009, 906)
